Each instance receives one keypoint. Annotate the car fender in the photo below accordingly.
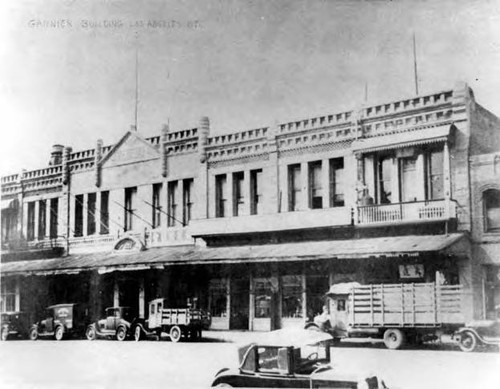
(467, 329)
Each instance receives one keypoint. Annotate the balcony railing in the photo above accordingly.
(314, 218)
(417, 211)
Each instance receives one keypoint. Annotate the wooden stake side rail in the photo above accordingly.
(406, 305)
(179, 316)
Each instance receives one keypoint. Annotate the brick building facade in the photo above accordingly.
(255, 225)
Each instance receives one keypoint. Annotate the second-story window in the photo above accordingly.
(156, 217)
(30, 232)
(104, 212)
(172, 203)
(54, 209)
(256, 192)
(78, 231)
(435, 175)
(130, 198)
(294, 187)
(384, 183)
(91, 201)
(315, 185)
(238, 196)
(221, 195)
(42, 219)
(187, 201)
(491, 204)
(408, 179)
(336, 182)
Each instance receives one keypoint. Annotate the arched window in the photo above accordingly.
(491, 201)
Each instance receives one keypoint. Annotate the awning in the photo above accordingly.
(158, 258)
(8, 203)
(488, 253)
(402, 139)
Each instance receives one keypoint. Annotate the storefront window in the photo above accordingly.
(218, 297)
(292, 296)
(262, 297)
(491, 200)
(8, 296)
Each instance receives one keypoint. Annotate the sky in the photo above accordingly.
(68, 68)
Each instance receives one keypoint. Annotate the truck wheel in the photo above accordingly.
(137, 333)
(59, 334)
(175, 334)
(121, 333)
(90, 333)
(33, 334)
(468, 341)
(394, 339)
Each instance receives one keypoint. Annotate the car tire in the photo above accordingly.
(394, 338)
(33, 334)
(137, 333)
(468, 341)
(175, 334)
(90, 334)
(59, 333)
(121, 334)
(5, 334)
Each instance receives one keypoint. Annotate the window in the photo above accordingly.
(434, 175)
(54, 208)
(256, 192)
(262, 297)
(156, 218)
(220, 195)
(30, 233)
(238, 194)
(337, 182)
(42, 219)
(315, 185)
(491, 201)
(91, 202)
(8, 295)
(172, 203)
(78, 215)
(218, 297)
(408, 174)
(294, 187)
(292, 296)
(187, 201)
(105, 212)
(130, 195)
(384, 173)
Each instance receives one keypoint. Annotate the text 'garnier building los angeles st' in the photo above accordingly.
(255, 225)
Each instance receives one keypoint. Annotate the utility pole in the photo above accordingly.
(136, 79)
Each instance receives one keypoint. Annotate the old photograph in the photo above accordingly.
(250, 193)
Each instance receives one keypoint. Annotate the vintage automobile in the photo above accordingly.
(61, 321)
(479, 333)
(116, 325)
(290, 358)
(14, 324)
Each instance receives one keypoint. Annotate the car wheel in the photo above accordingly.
(5, 334)
(175, 334)
(394, 339)
(137, 333)
(33, 334)
(121, 333)
(59, 333)
(90, 333)
(468, 341)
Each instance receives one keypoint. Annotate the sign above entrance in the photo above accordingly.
(127, 244)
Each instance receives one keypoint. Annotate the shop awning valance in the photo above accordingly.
(402, 139)
(158, 258)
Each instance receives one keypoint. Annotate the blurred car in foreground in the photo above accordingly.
(290, 359)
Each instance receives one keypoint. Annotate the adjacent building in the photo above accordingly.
(255, 225)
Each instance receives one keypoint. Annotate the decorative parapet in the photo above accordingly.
(180, 142)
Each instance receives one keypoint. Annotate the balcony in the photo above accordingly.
(417, 211)
(314, 218)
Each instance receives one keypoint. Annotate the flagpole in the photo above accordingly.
(415, 64)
